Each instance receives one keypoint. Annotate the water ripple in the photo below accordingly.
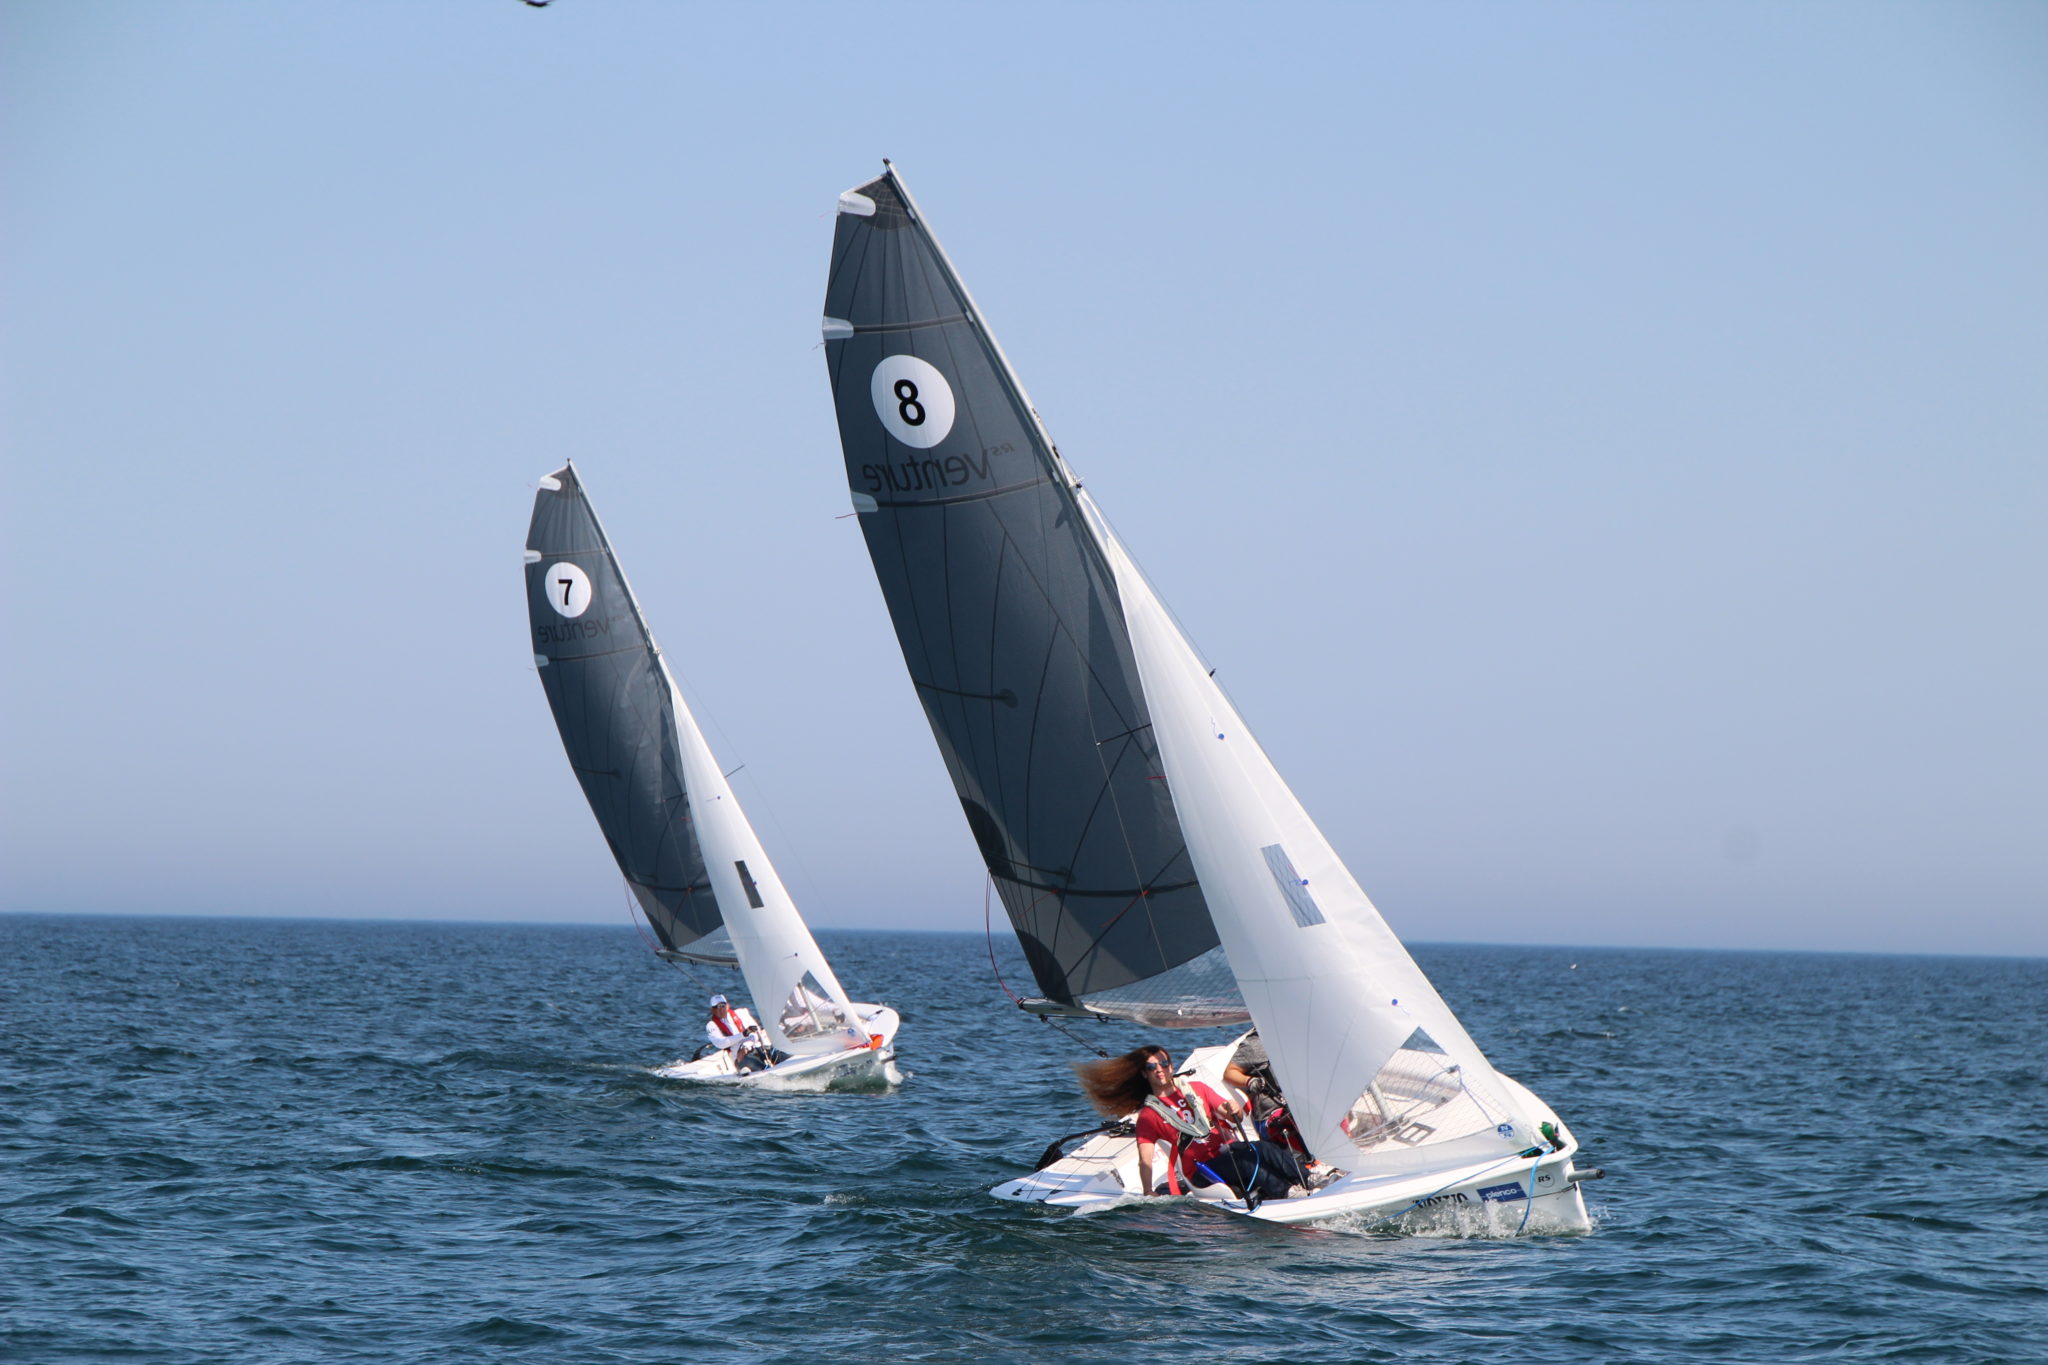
(287, 1142)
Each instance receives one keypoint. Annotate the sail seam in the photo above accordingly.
(873, 328)
(595, 654)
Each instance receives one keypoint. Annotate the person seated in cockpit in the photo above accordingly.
(738, 1032)
(1251, 1071)
(1196, 1123)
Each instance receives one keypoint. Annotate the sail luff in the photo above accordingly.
(618, 567)
(980, 322)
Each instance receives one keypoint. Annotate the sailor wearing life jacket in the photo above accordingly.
(736, 1031)
(1200, 1127)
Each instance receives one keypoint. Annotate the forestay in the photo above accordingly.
(1008, 616)
(614, 706)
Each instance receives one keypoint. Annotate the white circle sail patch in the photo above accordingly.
(913, 400)
(568, 589)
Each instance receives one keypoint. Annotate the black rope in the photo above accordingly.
(1048, 1019)
(988, 933)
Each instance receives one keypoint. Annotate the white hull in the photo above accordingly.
(848, 1069)
(1488, 1198)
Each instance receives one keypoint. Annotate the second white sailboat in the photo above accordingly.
(689, 855)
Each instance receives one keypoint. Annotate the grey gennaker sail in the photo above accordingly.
(1009, 619)
(614, 706)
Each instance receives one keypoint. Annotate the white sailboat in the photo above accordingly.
(692, 860)
(1153, 862)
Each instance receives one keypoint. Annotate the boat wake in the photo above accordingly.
(1488, 1222)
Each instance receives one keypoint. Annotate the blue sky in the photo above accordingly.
(1603, 447)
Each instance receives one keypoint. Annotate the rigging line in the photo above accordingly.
(1048, 1019)
(988, 933)
(634, 919)
(691, 976)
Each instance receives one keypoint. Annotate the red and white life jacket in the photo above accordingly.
(735, 1022)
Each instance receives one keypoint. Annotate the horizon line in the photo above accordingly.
(969, 933)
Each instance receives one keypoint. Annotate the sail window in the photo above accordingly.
(809, 1011)
(1293, 886)
(1418, 1097)
(747, 884)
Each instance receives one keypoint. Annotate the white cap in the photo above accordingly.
(718, 1000)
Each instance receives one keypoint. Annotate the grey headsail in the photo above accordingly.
(613, 704)
(1009, 620)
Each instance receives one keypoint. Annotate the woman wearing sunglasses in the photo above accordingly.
(1199, 1124)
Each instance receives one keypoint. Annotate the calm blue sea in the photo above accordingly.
(257, 1141)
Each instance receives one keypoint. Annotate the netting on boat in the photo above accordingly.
(810, 1013)
(1419, 1097)
(1199, 993)
(714, 948)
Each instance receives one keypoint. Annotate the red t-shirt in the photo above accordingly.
(1152, 1128)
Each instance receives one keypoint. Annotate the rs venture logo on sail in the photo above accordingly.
(596, 628)
(921, 476)
(915, 405)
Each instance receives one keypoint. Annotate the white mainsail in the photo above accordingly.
(1377, 1070)
(796, 996)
